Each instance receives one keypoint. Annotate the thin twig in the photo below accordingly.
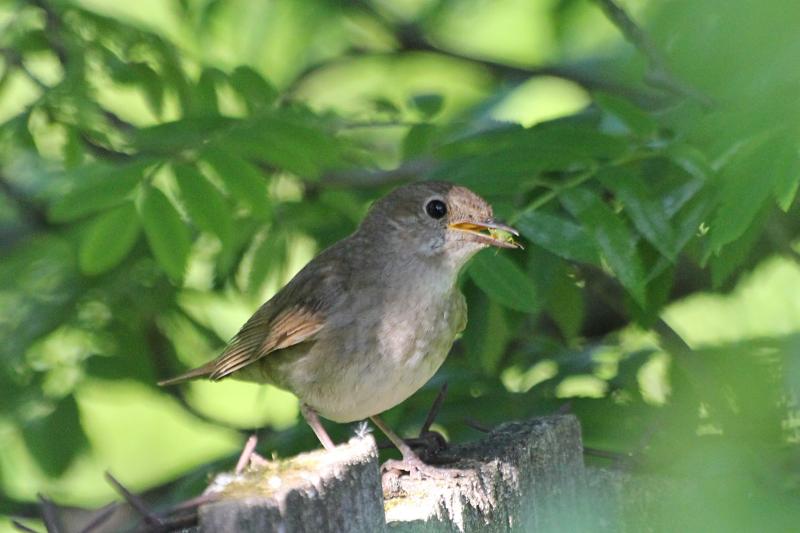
(22, 527)
(49, 514)
(659, 74)
(136, 502)
(197, 501)
(101, 515)
(605, 454)
(478, 426)
(434, 411)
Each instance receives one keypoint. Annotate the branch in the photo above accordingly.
(375, 178)
(54, 34)
(411, 39)
(659, 74)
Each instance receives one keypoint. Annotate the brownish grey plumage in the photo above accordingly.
(369, 320)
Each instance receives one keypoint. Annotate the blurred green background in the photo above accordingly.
(165, 166)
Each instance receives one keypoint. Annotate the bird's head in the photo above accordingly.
(437, 219)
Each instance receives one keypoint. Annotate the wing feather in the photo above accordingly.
(295, 315)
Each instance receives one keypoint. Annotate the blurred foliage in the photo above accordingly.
(165, 167)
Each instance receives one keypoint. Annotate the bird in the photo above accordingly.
(369, 320)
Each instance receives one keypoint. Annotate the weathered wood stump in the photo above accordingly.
(523, 476)
(320, 491)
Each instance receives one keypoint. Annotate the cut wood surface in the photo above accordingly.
(522, 476)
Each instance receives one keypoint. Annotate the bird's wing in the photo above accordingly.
(262, 335)
(296, 314)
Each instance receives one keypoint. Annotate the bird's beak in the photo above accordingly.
(491, 232)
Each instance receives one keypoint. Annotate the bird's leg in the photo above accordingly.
(405, 450)
(249, 455)
(319, 430)
(432, 442)
(411, 462)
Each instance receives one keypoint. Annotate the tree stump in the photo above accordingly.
(523, 476)
(320, 491)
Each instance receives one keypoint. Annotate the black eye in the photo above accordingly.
(436, 209)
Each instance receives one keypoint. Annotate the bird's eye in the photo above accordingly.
(436, 209)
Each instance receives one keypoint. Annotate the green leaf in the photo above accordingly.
(151, 85)
(97, 187)
(487, 333)
(269, 255)
(633, 117)
(166, 233)
(292, 143)
(109, 239)
(751, 177)
(788, 170)
(643, 208)
(242, 180)
(611, 235)
(504, 282)
(204, 202)
(427, 104)
(186, 133)
(254, 89)
(559, 236)
(204, 99)
(725, 263)
(55, 439)
(565, 304)
(511, 159)
(418, 140)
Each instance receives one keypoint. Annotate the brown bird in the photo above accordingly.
(369, 320)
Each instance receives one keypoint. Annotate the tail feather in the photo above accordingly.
(199, 372)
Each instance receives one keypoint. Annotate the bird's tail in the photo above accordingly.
(195, 373)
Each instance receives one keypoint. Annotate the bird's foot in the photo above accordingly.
(415, 468)
(394, 470)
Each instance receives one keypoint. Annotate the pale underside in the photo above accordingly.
(356, 367)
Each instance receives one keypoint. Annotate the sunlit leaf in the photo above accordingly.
(166, 233)
(109, 239)
(204, 202)
(242, 180)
